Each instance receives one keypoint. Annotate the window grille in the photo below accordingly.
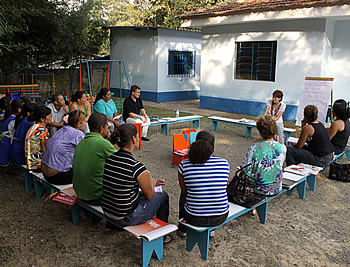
(256, 61)
(181, 63)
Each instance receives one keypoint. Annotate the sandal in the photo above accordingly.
(167, 239)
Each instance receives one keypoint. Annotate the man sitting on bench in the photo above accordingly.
(134, 111)
(89, 160)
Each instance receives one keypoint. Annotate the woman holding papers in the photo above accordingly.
(124, 176)
(203, 180)
(105, 104)
(340, 129)
(319, 150)
(275, 108)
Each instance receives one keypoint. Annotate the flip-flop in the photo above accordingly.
(167, 239)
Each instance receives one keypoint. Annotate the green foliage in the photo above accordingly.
(153, 12)
(37, 33)
(41, 32)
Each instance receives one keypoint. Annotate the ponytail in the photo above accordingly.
(101, 94)
(123, 135)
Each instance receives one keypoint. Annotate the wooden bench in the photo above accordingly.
(200, 235)
(164, 123)
(148, 247)
(248, 126)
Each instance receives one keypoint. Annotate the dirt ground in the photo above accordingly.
(310, 232)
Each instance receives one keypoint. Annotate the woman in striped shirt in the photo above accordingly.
(203, 181)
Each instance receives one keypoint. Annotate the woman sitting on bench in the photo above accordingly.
(37, 138)
(266, 158)
(124, 176)
(340, 129)
(57, 161)
(319, 150)
(203, 180)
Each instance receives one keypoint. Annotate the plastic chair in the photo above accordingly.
(138, 126)
(188, 131)
(180, 141)
(193, 136)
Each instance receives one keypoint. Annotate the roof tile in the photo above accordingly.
(248, 6)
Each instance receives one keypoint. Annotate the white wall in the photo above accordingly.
(137, 49)
(339, 62)
(177, 40)
(299, 54)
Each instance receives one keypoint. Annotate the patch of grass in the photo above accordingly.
(161, 113)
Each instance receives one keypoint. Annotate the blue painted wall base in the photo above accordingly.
(162, 96)
(252, 108)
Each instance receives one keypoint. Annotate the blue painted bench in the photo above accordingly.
(148, 247)
(40, 183)
(200, 235)
(248, 126)
(164, 123)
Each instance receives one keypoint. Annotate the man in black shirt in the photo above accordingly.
(134, 111)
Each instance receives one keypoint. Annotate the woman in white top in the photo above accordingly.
(275, 108)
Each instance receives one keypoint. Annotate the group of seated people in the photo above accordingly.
(104, 172)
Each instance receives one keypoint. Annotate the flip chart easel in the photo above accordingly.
(316, 91)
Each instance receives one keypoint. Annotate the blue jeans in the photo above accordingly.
(296, 156)
(158, 205)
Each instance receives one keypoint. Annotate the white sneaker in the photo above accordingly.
(212, 234)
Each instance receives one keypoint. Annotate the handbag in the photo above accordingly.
(339, 172)
(241, 191)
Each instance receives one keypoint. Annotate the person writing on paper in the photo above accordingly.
(134, 111)
(105, 104)
(123, 178)
(340, 129)
(203, 180)
(275, 108)
(319, 150)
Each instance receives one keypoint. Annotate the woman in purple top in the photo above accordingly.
(57, 161)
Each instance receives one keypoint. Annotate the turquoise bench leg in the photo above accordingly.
(196, 124)
(290, 192)
(202, 238)
(163, 128)
(301, 189)
(262, 212)
(347, 153)
(28, 180)
(38, 187)
(76, 209)
(214, 125)
(155, 245)
(248, 131)
(311, 181)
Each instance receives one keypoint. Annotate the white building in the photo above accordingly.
(251, 48)
(164, 62)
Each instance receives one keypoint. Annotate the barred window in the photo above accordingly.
(256, 60)
(181, 63)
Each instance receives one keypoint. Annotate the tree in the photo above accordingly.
(41, 32)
